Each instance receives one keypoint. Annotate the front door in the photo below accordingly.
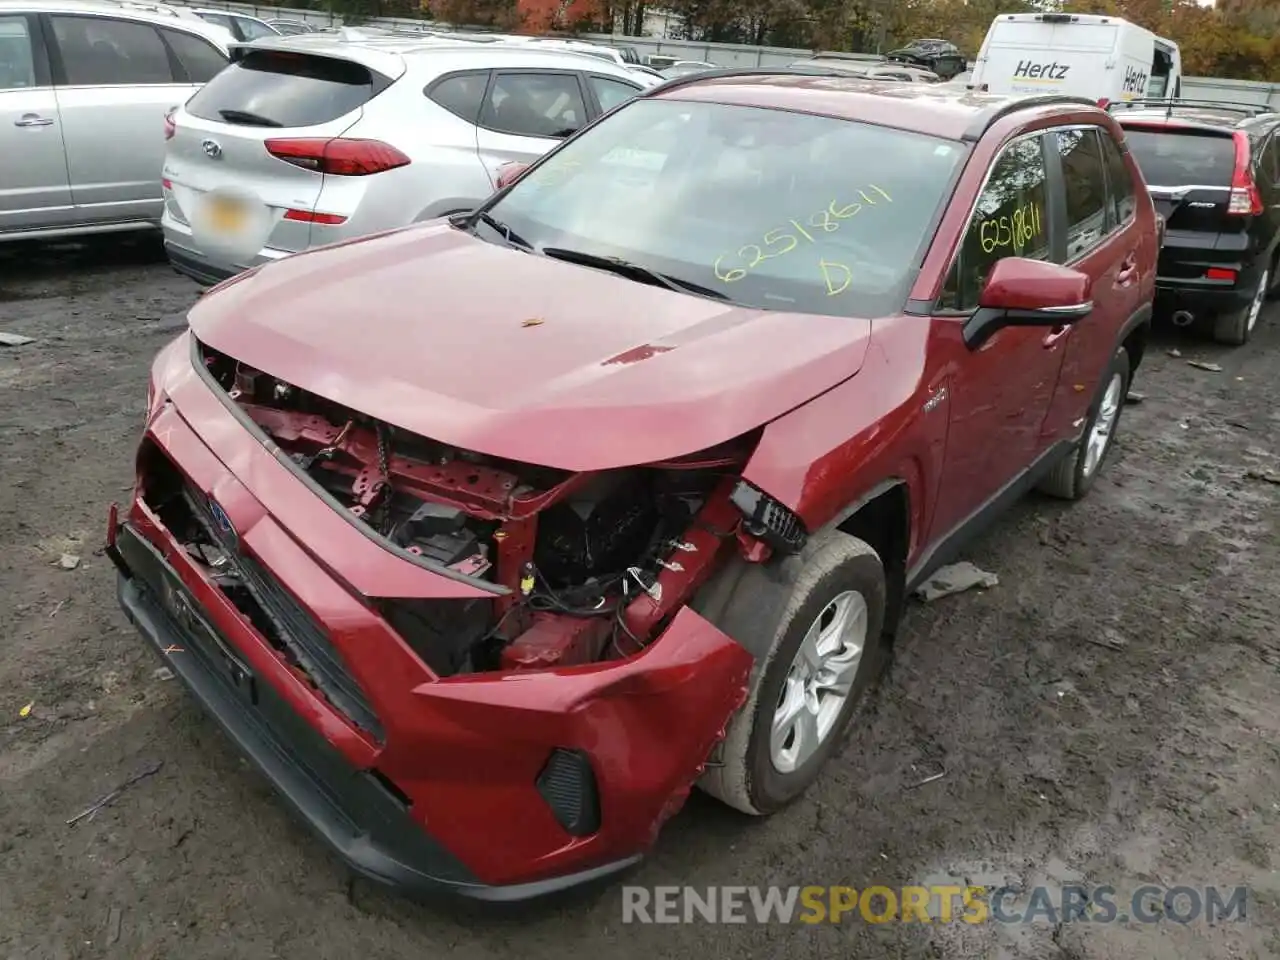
(999, 394)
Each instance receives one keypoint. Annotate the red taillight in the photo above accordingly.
(170, 128)
(1246, 201)
(344, 158)
(1104, 102)
(306, 216)
(1220, 273)
(167, 183)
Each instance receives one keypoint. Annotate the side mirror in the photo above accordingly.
(1027, 293)
(509, 173)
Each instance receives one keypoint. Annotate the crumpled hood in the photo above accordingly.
(519, 356)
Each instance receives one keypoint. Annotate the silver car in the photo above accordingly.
(315, 139)
(84, 89)
(242, 26)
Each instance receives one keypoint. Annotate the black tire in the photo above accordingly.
(1070, 479)
(1234, 329)
(769, 609)
(1274, 292)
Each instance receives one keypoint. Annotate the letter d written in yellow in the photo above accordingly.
(838, 277)
(812, 907)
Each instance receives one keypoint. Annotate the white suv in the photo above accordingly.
(319, 138)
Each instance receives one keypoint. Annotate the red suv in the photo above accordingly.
(488, 538)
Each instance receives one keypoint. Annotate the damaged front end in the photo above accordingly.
(584, 567)
(536, 697)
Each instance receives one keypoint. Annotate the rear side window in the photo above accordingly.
(201, 60)
(1085, 179)
(1124, 200)
(1179, 158)
(17, 62)
(611, 92)
(274, 89)
(545, 105)
(99, 51)
(461, 94)
(1010, 220)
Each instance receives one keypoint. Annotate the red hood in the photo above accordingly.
(428, 329)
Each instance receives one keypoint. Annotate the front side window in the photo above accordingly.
(1085, 180)
(99, 51)
(1009, 220)
(766, 208)
(17, 60)
(545, 105)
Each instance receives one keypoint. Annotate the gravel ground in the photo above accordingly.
(1108, 714)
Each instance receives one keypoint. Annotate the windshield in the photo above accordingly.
(767, 208)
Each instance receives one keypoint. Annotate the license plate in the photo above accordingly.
(226, 215)
(176, 601)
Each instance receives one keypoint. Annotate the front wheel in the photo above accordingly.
(813, 666)
(1073, 476)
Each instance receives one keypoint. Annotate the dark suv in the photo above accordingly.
(939, 56)
(1213, 170)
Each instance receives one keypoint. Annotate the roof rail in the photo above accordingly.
(1170, 104)
(982, 123)
(730, 72)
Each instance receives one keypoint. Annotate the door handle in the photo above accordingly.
(31, 120)
(1053, 336)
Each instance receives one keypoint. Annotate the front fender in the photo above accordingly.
(884, 425)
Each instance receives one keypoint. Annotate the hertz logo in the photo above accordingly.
(1048, 72)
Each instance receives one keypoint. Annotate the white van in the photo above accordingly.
(1083, 55)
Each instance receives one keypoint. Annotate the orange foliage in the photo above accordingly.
(548, 16)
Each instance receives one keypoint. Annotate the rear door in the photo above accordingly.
(115, 80)
(1104, 241)
(526, 112)
(220, 158)
(1188, 169)
(34, 190)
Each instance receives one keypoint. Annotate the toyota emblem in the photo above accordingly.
(212, 149)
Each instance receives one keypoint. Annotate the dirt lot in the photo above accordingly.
(1153, 760)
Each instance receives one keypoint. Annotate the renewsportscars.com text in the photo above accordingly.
(932, 904)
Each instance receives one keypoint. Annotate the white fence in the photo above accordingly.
(740, 55)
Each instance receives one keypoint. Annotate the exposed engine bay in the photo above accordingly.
(583, 566)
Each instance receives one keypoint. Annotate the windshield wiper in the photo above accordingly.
(490, 220)
(248, 119)
(635, 271)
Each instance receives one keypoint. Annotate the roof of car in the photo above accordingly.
(389, 52)
(949, 111)
(1226, 115)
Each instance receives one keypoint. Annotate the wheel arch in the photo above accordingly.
(882, 519)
